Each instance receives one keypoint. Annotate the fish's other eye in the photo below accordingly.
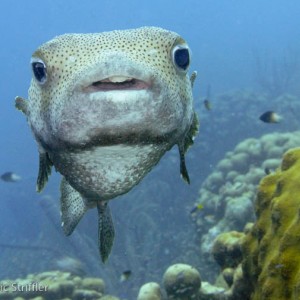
(39, 70)
(181, 57)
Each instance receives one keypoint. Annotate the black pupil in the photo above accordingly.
(39, 71)
(182, 58)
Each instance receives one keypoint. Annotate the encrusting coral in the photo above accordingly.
(271, 250)
(269, 267)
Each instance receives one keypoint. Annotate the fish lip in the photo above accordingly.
(117, 83)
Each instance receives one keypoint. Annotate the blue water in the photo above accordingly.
(224, 36)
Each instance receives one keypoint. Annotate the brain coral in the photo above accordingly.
(271, 249)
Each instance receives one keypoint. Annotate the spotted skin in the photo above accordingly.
(104, 108)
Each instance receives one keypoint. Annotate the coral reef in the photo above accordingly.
(269, 267)
(54, 285)
(228, 192)
(271, 250)
(211, 292)
(227, 250)
(150, 291)
(182, 282)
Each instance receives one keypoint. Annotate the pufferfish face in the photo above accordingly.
(109, 88)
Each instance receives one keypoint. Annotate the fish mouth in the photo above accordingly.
(117, 82)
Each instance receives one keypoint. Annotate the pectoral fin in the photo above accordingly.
(191, 134)
(106, 231)
(72, 205)
(22, 105)
(45, 165)
(193, 77)
(184, 146)
(183, 169)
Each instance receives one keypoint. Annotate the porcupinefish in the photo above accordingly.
(104, 108)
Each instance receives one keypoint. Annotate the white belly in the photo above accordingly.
(102, 173)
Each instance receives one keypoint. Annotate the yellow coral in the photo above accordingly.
(272, 247)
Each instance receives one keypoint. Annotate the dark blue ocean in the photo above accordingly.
(237, 46)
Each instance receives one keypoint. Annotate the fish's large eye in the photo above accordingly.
(39, 70)
(181, 57)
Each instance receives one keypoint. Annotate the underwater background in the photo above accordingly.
(246, 53)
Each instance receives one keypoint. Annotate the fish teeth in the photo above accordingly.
(119, 78)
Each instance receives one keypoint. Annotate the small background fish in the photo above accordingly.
(207, 101)
(270, 117)
(125, 275)
(10, 177)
